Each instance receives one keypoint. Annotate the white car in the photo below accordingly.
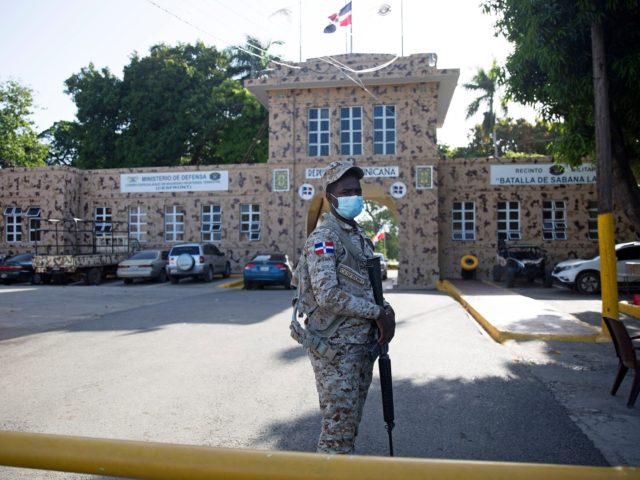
(584, 275)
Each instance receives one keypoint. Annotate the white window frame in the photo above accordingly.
(382, 116)
(554, 220)
(103, 221)
(173, 223)
(137, 225)
(508, 220)
(33, 219)
(463, 221)
(13, 224)
(318, 132)
(250, 221)
(592, 220)
(351, 131)
(211, 223)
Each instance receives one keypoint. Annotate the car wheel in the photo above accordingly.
(588, 282)
(248, 286)
(162, 276)
(208, 274)
(385, 276)
(227, 270)
(510, 274)
(36, 279)
(287, 283)
(93, 277)
(496, 273)
(128, 281)
(548, 278)
(174, 280)
(185, 262)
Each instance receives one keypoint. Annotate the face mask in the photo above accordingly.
(349, 207)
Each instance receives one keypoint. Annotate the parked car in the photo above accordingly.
(197, 260)
(18, 268)
(384, 264)
(584, 275)
(145, 264)
(521, 260)
(267, 269)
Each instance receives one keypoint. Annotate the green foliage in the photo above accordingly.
(551, 67)
(376, 215)
(251, 60)
(19, 143)
(514, 138)
(177, 105)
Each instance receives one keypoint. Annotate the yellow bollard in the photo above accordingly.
(608, 275)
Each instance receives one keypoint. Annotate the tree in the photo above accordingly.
(176, 105)
(487, 84)
(515, 137)
(376, 216)
(551, 67)
(19, 144)
(63, 146)
(252, 59)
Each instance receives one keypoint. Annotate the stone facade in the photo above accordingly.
(418, 186)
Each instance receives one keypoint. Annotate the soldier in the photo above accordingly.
(335, 293)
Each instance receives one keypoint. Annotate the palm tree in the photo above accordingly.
(252, 59)
(487, 84)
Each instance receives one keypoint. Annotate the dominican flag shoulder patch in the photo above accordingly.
(322, 248)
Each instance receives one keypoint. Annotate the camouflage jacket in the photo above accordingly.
(335, 286)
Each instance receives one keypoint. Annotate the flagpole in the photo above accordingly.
(401, 28)
(300, 31)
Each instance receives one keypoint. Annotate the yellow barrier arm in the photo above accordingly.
(144, 460)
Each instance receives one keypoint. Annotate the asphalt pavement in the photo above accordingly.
(196, 364)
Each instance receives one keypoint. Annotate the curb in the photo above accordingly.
(232, 284)
(502, 336)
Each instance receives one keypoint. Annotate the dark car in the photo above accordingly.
(267, 269)
(17, 269)
(521, 261)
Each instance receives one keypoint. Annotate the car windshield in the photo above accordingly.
(25, 257)
(265, 257)
(145, 255)
(190, 249)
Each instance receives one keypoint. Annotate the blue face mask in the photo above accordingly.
(349, 207)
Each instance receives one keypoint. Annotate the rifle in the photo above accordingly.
(381, 352)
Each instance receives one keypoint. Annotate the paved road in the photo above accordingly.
(192, 363)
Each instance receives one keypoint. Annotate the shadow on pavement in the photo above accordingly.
(489, 419)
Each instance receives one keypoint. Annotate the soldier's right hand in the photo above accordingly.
(386, 323)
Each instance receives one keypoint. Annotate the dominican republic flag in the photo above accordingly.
(342, 19)
(323, 247)
(378, 236)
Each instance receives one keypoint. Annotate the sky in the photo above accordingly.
(44, 42)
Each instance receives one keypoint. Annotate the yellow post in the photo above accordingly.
(608, 274)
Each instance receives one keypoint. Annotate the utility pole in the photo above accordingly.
(606, 234)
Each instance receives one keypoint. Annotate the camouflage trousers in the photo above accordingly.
(342, 385)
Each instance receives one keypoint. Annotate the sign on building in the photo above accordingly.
(542, 174)
(199, 181)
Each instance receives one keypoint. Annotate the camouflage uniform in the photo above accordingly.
(339, 293)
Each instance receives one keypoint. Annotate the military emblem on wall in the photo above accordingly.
(424, 176)
(306, 191)
(398, 190)
(281, 180)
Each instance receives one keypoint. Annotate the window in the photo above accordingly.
(384, 129)
(173, 224)
(318, 132)
(211, 223)
(592, 221)
(33, 217)
(137, 223)
(554, 220)
(351, 131)
(250, 222)
(509, 221)
(463, 224)
(628, 253)
(13, 224)
(103, 221)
